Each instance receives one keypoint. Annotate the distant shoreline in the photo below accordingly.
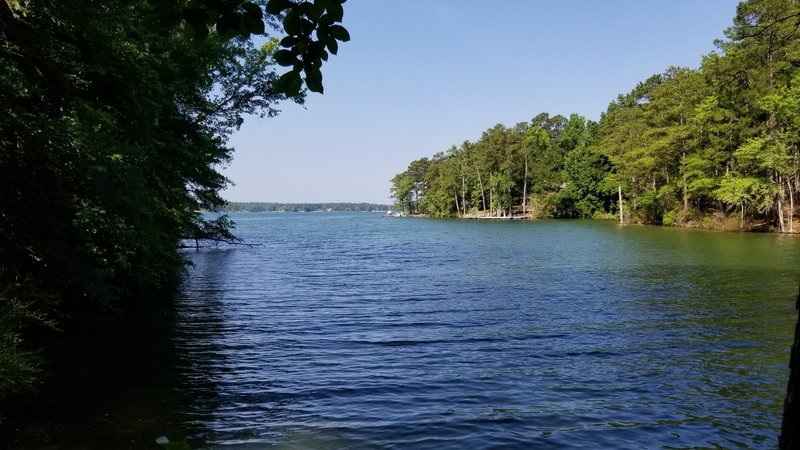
(303, 207)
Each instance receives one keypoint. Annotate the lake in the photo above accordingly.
(353, 330)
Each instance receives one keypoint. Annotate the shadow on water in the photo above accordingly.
(116, 383)
(223, 347)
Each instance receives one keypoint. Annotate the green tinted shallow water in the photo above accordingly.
(359, 331)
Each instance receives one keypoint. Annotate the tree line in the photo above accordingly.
(713, 147)
(301, 207)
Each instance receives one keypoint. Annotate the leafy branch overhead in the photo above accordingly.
(313, 31)
(301, 51)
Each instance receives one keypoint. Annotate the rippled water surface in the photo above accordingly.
(360, 331)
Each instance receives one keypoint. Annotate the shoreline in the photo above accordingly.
(711, 222)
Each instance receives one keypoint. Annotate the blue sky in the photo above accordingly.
(419, 76)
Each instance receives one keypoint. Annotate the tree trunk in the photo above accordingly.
(741, 221)
(621, 221)
(525, 188)
(464, 194)
(791, 205)
(491, 197)
(685, 184)
(510, 203)
(483, 193)
(780, 203)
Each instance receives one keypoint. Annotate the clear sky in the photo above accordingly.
(419, 76)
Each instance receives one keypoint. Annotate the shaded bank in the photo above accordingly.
(107, 382)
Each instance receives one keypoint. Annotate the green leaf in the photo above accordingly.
(332, 45)
(258, 27)
(323, 32)
(335, 11)
(289, 41)
(253, 10)
(314, 80)
(252, 19)
(228, 24)
(306, 26)
(340, 33)
(315, 10)
(268, 48)
(325, 21)
(276, 7)
(316, 49)
(289, 83)
(312, 63)
(313, 58)
(291, 23)
(285, 58)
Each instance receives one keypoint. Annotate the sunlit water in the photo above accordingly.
(359, 331)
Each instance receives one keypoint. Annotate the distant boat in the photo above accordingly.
(391, 213)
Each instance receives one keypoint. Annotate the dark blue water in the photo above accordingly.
(359, 331)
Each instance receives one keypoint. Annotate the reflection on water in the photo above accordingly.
(352, 330)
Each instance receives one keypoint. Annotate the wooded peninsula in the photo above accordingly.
(715, 147)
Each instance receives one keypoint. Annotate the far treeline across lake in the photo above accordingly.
(716, 147)
(302, 207)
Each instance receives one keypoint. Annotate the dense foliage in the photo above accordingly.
(115, 118)
(716, 147)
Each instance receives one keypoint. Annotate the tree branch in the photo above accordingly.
(764, 28)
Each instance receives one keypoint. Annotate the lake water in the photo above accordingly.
(352, 330)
